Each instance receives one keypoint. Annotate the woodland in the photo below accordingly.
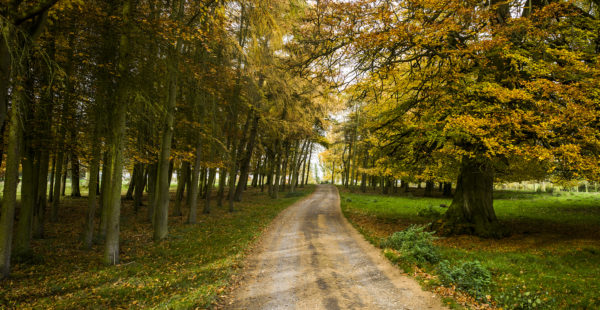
(140, 89)
(152, 120)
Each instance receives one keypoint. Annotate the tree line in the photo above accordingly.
(208, 88)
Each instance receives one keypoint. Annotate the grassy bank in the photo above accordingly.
(551, 259)
(188, 270)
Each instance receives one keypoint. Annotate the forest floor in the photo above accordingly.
(552, 257)
(312, 258)
(192, 268)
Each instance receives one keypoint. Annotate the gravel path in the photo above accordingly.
(312, 258)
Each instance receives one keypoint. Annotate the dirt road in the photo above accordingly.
(311, 258)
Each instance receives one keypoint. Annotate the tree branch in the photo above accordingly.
(36, 10)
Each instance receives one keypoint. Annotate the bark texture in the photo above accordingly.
(472, 209)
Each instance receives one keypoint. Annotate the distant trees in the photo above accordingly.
(148, 88)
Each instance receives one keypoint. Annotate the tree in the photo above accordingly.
(470, 88)
(21, 25)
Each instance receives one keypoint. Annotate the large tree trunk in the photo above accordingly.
(111, 249)
(472, 210)
(161, 212)
(111, 245)
(28, 191)
(9, 201)
(30, 169)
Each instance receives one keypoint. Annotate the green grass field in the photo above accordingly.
(552, 256)
(190, 269)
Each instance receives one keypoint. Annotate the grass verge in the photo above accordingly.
(188, 270)
(551, 261)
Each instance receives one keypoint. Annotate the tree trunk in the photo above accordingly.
(75, 191)
(111, 245)
(88, 233)
(209, 184)
(39, 214)
(385, 185)
(161, 212)
(131, 186)
(405, 186)
(429, 188)
(9, 201)
(28, 190)
(304, 162)
(333, 173)
(295, 168)
(271, 167)
(472, 210)
(170, 174)
(152, 174)
(113, 214)
(202, 176)
(245, 165)
(5, 63)
(308, 169)
(30, 169)
(57, 180)
(140, 182)
(182, 177)
(65, 171)
(52, 173)
(221, 191)
(447, 191)
(194, 186)
(105, 194)
(256, 173)
(277, 171)
(285, 167)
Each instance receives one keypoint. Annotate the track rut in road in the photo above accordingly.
(312, 258)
